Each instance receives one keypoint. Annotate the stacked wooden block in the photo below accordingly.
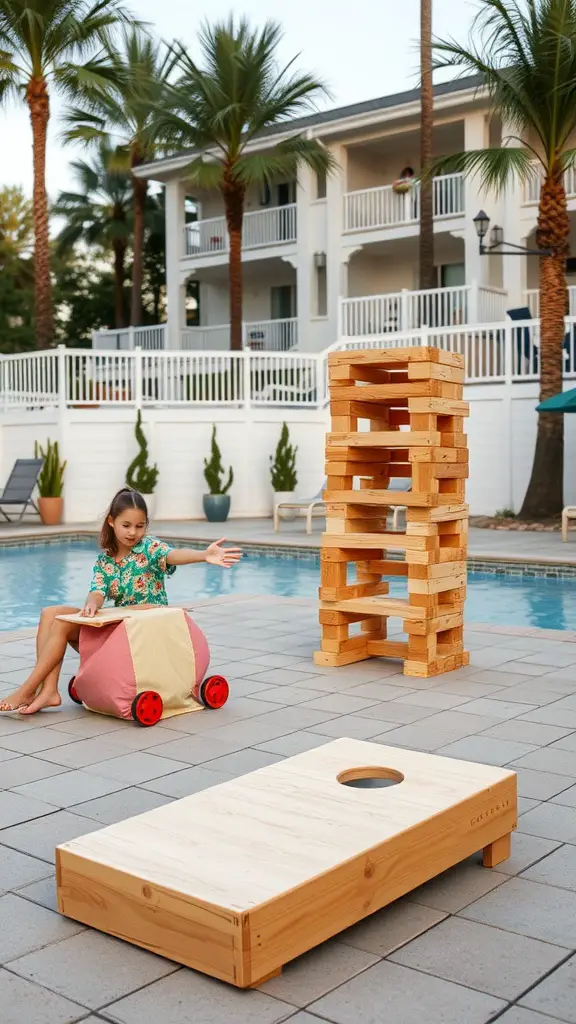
(410, 400)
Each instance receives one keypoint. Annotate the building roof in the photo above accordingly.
(325, 117)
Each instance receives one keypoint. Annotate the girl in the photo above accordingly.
(130, 571)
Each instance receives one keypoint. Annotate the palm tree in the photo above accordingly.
(123, 114)
(99, 214)
(45, 45)
(220, 108)
(526, 54)
(426, 240)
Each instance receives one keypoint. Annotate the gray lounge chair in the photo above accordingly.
(20, 487)
(309, 506)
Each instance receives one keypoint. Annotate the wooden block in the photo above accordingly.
(390, 357)
(435, 371)
(365, 496)
(391, 567)
(186, 880)
(387, 649)
(420, 628)
(385, 438)
(496, 852)
(329, 660)
(392, 393)
(352, 645)
(440, 406)
(386, 541)
(436, 586)
(389, 606)
(438, 455)
(353, 590)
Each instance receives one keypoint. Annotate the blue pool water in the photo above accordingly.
(32, 577)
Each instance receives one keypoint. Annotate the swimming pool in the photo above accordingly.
(59, 573)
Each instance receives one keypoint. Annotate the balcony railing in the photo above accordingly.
(409, 310)
(275, 225)
(532, 300)
(534, 183)
(257, 335)
(383, 207)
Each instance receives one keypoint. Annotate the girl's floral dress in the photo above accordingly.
(137, 579)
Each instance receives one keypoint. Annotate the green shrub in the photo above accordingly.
(51, 479)
(214, 470)
(283, 468)
(140, 476)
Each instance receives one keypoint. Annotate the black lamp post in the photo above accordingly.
(482, 223)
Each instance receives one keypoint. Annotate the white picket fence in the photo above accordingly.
(383, 207)
(503, 352)
(408, 310)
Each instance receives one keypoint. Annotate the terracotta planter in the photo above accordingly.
(50, 510)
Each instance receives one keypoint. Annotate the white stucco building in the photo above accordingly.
(330, 258)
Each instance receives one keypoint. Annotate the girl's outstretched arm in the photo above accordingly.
(213, 554)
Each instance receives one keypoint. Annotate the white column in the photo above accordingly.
(476, 136)
(515, 232)
(304, 263)
(335, 189)
(175, 291)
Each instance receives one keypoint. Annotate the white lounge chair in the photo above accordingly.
(309, 506)
(569, 512)
(400, 483)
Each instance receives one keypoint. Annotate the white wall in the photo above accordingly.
(99, 444)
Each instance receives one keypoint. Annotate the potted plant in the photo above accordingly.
(50, 483)
(283, 471)
(216, 504)
(140, 476)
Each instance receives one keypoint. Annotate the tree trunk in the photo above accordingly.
(139, 191)
(544, 497)
(39, 106)
(427, 274)
(119, 276)
(234, 193)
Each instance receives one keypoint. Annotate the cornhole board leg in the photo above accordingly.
(496, 852)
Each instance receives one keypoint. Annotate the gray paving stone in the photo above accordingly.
(494, 657)
(22, 1001)
(40, 837)
(42, 892)
(548, 759)
(24, 927)
(457, 887)
(190, 998)
(137, 766)
(34, 741)
(243, 761)
(534, 694)
(566, 797)
(402, 714)
(529, 908)
(494, 708)
(430, 698)
(15, 807)
(8, 755)
(388, 929)
(487, 750)
(285, 695)
(552, 821)
(341, 703)
(558, 868)
(318, 972)
(380, 690)
(27, 769)
(71, 788)
(556, 995)
(124, 804)
(294, 743)
(526, 804)
(18, 869)
(91, 968)
(351, 726)
(496, 677)
(540, 785)
(389, 991)
(567, 742)
(525, 732)
(91, 725)
(526, 850)
(84, 753)
(483, 958)
(553, 715)
(186, 782)
(303, 1017)
(192, 750)
(563, 657)
(519, 1015)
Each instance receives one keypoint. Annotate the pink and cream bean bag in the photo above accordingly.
(144, 665)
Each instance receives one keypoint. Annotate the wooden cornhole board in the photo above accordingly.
(241, 878)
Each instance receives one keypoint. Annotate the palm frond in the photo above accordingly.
(496, 168)
(283, 161)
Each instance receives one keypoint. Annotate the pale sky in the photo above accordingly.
(362, 49)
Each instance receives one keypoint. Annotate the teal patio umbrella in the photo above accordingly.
(564, 402)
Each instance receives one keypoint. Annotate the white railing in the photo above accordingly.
(85, 378)
(273, 226)
(383, 207)
(534, 183)
(127, 338)
(408, 310)
(503, 352)
(209, 339)
(532, 300)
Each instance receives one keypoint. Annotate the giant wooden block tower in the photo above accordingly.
(411, 399)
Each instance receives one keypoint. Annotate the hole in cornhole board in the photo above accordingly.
(370, 778)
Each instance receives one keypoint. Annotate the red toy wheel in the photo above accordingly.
(214, 692)
(147, 708)
(72, 692)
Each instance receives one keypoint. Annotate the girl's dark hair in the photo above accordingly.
(408, 172)
(126, 498)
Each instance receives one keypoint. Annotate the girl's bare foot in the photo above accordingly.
(42, 700)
